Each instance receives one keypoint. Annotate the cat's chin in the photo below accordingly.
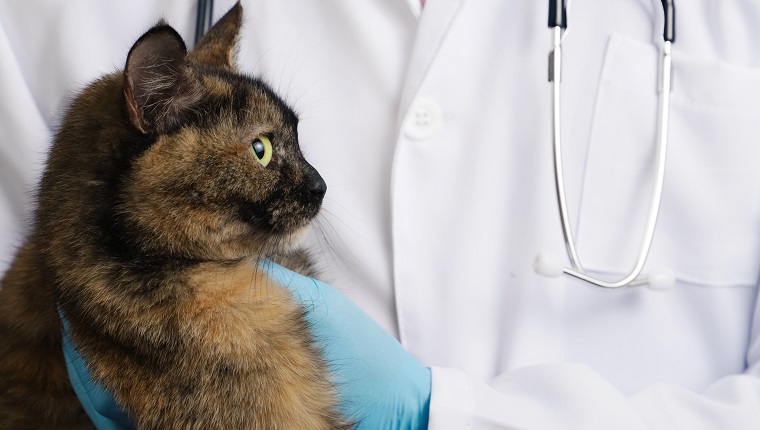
(293, 241)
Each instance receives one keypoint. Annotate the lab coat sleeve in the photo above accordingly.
(574, 396)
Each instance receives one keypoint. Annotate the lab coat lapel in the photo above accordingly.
(434, 23)
(415, 6)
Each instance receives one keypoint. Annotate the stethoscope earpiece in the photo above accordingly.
(661, 280)
(548, 264)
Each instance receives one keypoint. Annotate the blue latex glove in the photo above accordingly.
(380, 384)
(96, 401)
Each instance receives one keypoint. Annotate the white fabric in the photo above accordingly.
(434, 237)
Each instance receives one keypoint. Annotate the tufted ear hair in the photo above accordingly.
(217, 47)
(157, 85)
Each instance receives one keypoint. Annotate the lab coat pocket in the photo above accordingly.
(708, 230)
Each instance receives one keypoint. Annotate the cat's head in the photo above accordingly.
(224, 176)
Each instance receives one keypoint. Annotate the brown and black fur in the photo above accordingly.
(152, 219)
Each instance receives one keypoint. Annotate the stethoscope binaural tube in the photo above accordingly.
(203, 17)
(547, 265)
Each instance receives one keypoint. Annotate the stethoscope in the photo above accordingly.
(203, 17)
(545, 263)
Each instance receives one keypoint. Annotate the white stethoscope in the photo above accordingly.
(545, 263)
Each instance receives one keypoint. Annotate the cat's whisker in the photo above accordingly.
(294, 48)
(302, 109)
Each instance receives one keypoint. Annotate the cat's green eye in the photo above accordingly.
(261, 148)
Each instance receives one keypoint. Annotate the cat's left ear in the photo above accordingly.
(217, 47)
(157, 86)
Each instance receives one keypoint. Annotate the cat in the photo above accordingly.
(166, 187)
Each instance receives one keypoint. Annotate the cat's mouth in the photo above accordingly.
(279, 215)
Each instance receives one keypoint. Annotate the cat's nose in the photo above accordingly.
(319, 188)
(316, 185)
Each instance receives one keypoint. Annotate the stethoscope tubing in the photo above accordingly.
(203, 18)
(558, 24)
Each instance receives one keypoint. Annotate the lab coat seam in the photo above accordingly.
(608, 56)
(610, 51)
(398, 296)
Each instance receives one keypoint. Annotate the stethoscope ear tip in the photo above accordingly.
(661, 280)
(548, 264)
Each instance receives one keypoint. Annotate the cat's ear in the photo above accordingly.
(157, 86)
(217, 47)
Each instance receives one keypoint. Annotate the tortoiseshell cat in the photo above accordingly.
(165, 185)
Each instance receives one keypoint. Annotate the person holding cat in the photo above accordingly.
(431, 127)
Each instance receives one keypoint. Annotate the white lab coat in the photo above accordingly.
(432, 131)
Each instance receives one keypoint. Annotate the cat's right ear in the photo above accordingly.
(157, 85)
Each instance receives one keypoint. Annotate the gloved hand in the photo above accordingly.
(380, 384)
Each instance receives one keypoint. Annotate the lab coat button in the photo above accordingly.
(423, 120)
